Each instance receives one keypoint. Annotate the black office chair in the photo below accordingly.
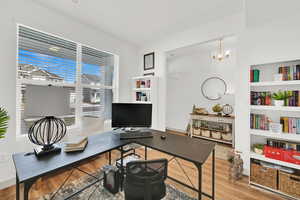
(145, 180)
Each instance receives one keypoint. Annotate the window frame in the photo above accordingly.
(77, 85)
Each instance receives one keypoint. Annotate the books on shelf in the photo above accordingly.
(258, 121)
(290, 72)
(254, 75)
(290, 125)
(261, 98)
(143, 83)
(142, 96)
(76, 144)
(264, 98)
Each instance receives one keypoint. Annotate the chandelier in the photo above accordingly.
(220, 54)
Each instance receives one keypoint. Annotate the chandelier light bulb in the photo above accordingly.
(220, 54)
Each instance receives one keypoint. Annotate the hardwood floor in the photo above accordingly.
(225, 190)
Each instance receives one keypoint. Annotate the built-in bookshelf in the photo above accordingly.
(265, 80)
(145, 90)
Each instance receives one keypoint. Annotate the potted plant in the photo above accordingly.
(279, 98)
(217, 109)
(258, 148)
(3, 122)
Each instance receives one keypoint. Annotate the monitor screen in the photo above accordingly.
(131, 115)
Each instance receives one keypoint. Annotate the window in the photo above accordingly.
(62, 78)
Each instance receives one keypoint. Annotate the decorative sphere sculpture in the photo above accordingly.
(46, 132)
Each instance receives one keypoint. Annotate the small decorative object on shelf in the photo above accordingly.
(227, 110)
(217, 109)
(46, 132)
(277, 77)
(275, 127)
(280, 97)
(236, 165)
(199, 111)
(258, 148)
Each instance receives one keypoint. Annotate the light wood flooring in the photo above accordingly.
(225, 190)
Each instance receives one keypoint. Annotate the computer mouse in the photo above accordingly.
(163, 137)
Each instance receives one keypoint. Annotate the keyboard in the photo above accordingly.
(135, 135)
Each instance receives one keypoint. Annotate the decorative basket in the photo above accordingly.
(197, 131)
(227, 136)
(216, 134)
(205, 133)
(289, 184)
(264, 176)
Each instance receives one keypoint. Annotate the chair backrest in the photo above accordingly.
(147, 172)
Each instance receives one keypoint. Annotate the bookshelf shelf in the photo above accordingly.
(276, 108)
(274, 83)
(149, 102)
(142, 89)
(277, 162)
(269, 134)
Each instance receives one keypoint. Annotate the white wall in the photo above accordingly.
(185, 75)
(263, 36)
(28, 13)
(227, 26)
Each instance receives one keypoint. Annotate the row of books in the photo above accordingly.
(290, 125)
(143, 84)
(261, 98)
(283, 144)
(290, 72)
(254, 75)
(265, 98)
(258, 121)
(142, 96)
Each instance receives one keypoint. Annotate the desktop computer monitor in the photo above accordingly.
(131, 115)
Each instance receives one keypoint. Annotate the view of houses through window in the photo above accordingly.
(64, 79)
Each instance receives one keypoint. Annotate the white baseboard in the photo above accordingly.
(7, 182)
(177, 130)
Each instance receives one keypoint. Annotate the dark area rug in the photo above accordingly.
(98, 192)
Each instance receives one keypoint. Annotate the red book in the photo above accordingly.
(251, 75)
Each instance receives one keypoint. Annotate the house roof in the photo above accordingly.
(90, 79)
(34, 70)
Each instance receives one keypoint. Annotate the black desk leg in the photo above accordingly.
(122, 169)
(199, 181)
(27, 186)
(109, 157)
(146, 153)
(213, 175)
(17, 188)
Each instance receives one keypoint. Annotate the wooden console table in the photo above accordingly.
(212, 127)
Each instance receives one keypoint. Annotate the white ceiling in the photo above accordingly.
(143, 21)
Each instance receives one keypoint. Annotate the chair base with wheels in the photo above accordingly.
(145, 180)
